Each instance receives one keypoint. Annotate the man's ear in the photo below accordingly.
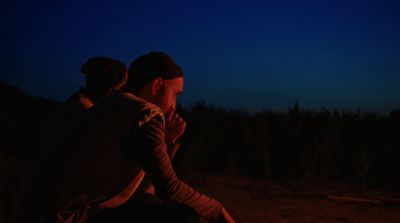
(156, 86)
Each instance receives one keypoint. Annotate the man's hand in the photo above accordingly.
(174, 126)
(225, 217)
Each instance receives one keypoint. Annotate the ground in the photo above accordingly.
(250, 200)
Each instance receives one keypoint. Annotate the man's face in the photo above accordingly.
(169, 91)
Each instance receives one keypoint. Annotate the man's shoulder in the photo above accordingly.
(134, 105)
(80, 100)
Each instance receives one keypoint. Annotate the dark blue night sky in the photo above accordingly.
(248, 55)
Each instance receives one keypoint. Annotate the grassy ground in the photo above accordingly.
(261, 201)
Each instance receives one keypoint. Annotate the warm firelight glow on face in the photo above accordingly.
(169, 91)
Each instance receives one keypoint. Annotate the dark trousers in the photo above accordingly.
(147, 209)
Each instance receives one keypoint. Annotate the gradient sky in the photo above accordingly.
(248, 55)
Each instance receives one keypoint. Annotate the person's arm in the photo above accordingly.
(145, 185)
(150, 151)
(174, 128)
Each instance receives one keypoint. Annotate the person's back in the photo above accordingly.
(103, 76)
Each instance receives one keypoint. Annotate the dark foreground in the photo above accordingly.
(257, 201)
(261, 201)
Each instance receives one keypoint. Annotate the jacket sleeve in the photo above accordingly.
(150, 151)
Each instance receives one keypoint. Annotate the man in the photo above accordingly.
(121, 139)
